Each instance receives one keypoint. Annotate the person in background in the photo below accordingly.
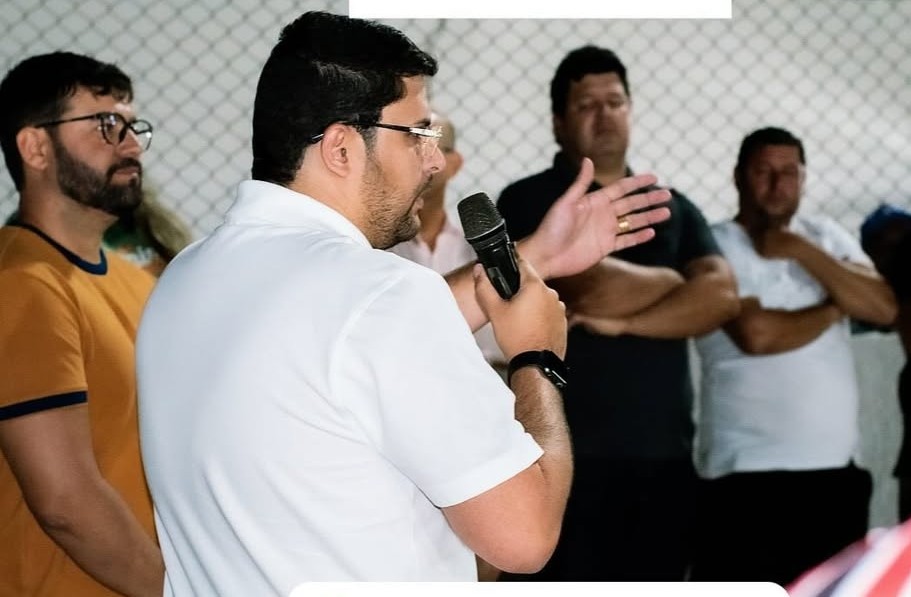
(440, 243)
(150, 237)
(629, 516)
(778, 431)
(298, 421)
(885, 235)
(75, 511)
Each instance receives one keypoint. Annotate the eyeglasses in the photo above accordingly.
(429, 138)
(113, 127)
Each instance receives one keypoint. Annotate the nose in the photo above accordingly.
(130, 146)
(779, 183)
(436, 161)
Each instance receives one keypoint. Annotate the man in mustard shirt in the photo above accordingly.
(75, 514)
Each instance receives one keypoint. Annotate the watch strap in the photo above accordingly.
(552, 366)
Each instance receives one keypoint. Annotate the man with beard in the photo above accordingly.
(779, 402)
(77, 518)
(300, 420)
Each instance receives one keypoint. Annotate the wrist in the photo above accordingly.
(547, 362)
(529, 250)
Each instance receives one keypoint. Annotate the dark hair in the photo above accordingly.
(587, 60)
(756, 140)
(326, 68)
(38, 88)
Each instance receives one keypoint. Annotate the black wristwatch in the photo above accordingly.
(552, 366)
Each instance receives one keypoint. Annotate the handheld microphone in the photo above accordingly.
(485, 231)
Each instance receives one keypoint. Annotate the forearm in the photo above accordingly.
(102, 536)
(539, 408)
(616, 288)
(771, 331)
(859, 291)
(692, 309)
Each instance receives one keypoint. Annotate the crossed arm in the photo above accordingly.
(854, 290)
(769, 331)
(859, 291)
(654, 302)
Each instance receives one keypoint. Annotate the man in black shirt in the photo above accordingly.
(629, 406)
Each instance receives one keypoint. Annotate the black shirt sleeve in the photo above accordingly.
(696, 239)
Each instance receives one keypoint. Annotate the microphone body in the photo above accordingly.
(485, 231)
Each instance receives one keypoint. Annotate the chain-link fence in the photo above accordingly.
(835, 72)
(194, 65)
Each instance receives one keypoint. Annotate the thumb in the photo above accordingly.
(583, 180)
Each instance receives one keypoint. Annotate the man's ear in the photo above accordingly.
(338, 147)
(34, 147)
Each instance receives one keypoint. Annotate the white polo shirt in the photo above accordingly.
(796, 410)
(451, 251)
(300, 421)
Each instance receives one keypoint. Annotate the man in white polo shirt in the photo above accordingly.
(779, 403)
(300, 420)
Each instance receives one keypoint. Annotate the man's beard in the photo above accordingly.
(78, 181)
(390, 228)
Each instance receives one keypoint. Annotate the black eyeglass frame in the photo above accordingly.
(141, 128)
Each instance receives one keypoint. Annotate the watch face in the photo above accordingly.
(552, 375)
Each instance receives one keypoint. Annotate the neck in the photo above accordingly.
(433, 217)
(757, 220)
(74, 226)
(609, 173)
(608, 168)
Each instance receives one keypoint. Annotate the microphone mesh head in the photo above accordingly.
(478, 215)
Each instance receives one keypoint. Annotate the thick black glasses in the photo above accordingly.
(113, 127)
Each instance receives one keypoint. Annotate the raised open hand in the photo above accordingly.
(581, 228)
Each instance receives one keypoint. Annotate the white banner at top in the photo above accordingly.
(562, 9)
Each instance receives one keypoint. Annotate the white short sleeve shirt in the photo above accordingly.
(796, 410)
(300, 421)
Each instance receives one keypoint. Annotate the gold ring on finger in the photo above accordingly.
(623, 225)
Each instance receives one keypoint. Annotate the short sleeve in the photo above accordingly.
(40, 342)
(429, 402)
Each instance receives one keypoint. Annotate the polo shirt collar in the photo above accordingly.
(567, 170)
(264, 203)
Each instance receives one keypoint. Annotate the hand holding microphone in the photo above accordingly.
(524, 319)
(485, 231)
